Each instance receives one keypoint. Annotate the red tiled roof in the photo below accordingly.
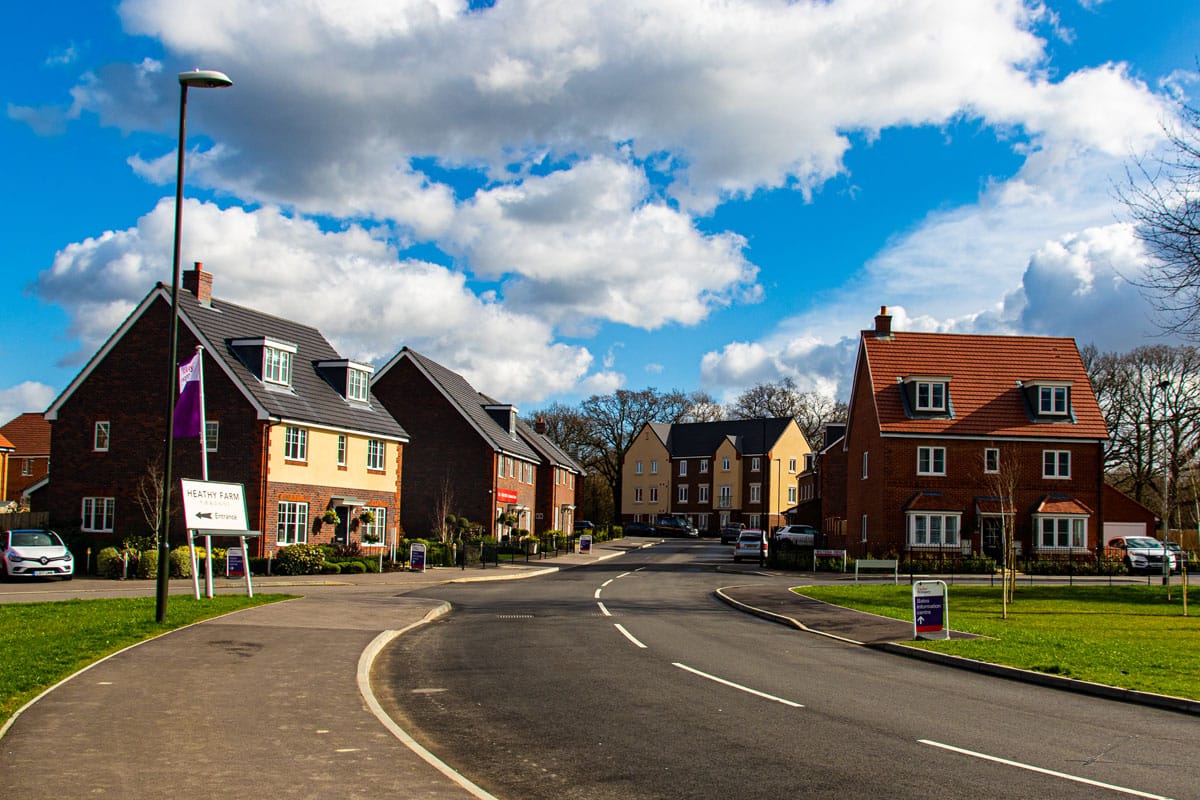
(930, 501)
(5, 444)
(29, 434)
(984, 373)
(1060, 504)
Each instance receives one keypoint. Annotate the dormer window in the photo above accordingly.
(1048, 400)
(351, 379)
(927, 394)
(269, 358)
(1053, 400)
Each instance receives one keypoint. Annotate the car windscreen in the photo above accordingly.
(34, 539)
(1140, 541)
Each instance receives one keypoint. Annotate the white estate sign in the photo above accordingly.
(209, 505)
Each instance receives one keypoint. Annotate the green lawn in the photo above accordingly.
(1126, 636)
(42, 643)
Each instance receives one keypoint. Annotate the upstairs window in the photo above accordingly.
(1052, 400)
(637, 468)
(653, 467)
(683, 493)
(991, 459)
(755, 465)
(277, 365)
(725, 464)
(100, 437)
(358, 385)
(704, 466)
(683, 469)
(212, 432)
(98, 513)
(295, 444)
(931, 461)
(376, 452)
(1056, 463)
(931, 396)
(341, 450)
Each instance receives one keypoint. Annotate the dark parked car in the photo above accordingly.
(674, 526)
(584, 526)
(729, 533)
(638, 529)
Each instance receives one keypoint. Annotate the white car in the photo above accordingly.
(35, 553)
(798, 535)
(751, 543)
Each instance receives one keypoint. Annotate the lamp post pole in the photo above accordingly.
(1166, 514)
(202, 79)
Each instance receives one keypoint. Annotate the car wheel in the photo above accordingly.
(67, 577)
(737, 558)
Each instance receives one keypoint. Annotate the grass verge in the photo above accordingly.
(42, 643)
(1125, 636)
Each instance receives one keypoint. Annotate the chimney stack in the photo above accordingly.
(540, 427)
(883, 324)
(199, 283)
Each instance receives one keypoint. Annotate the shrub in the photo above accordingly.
(109, 563)
(355, 567)
(147, 565)
(299, 559)
(330, 568)
(181, 562)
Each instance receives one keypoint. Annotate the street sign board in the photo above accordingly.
(235, 565)
(416, 557)
(931, 611)
(585, 543)
(212, 505)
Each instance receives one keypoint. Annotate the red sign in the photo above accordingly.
(506, 495)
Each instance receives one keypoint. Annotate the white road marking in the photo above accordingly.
(737, 686)
(607, 582)
(603, 610)
(624, 574)
(629, 635)
(597, 594)
(1050, 772)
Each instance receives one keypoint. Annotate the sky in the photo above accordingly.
(564, 199)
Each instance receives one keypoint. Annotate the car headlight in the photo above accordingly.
(14, 556)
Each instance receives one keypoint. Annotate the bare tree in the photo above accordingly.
(1162, 195)
(704, 408)
(811, 410)
(149, 493)
(443, 507)
(1002, 484)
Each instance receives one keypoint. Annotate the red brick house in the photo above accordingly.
(945, 430)
(286, 416)
(28, 462)
(474, 457)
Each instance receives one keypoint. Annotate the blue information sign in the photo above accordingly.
(929, 610)
(416, 557)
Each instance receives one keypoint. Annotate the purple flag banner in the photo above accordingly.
(191, 398)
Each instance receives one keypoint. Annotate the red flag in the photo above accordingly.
(188, 410)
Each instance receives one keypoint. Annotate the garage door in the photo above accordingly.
(1114, 529)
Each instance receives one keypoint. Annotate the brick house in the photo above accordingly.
(474, 456)
(6, 450)
(286, 416)
(820, 486)
(714, 473)
(945, 431)
(28, 462)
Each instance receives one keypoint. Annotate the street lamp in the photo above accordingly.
(201, 79)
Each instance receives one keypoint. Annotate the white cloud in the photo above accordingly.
(347, 284)
(23, 398)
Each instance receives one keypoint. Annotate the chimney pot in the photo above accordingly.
(883, 324)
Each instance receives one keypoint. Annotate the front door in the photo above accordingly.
(341, 534)
(993, 538)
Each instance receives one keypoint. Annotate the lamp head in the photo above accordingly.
(205, 79)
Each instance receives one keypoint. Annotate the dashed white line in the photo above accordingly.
(629, 635)
(737, 686)
(624, 574)
(1043, 771)
(603, 610)
(607, 582)
(597, 594)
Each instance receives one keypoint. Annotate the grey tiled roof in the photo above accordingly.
(693, 439)
(311, 398)
(550, 451)
(470, 404)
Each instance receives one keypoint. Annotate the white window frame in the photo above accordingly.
(725, 464)
(98, 514)
(376, 454)
(1057, 526)
(295, 444)
(212, 434)
(792, 495)
(27, 466)
(791, 465)
(929, 454)
(704, 466)
(725, 495)
(945, 525)
(991, 460)
(291, 524)
(1056, 464)
(1054, 401)
(277, 365)
(682, 493)
(102, 436)
(638, 493)
(702, 492)
(754, 520)
(653, 494)
(755, 464)
(866, 461)
(931, 402)
(683, 468)
(755, 493)
(863, 528)
(342, 447)
(358, 385)
(637, 468)
(378, 527)
(653, 466)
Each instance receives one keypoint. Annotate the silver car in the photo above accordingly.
(750, 543)
(32, 553)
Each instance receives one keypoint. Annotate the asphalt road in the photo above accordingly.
(629, 680)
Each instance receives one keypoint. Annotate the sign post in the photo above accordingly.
(585, 543)
(416, 557)
(212, 508)
(931, 610)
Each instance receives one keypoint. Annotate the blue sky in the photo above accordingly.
(560, 199)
